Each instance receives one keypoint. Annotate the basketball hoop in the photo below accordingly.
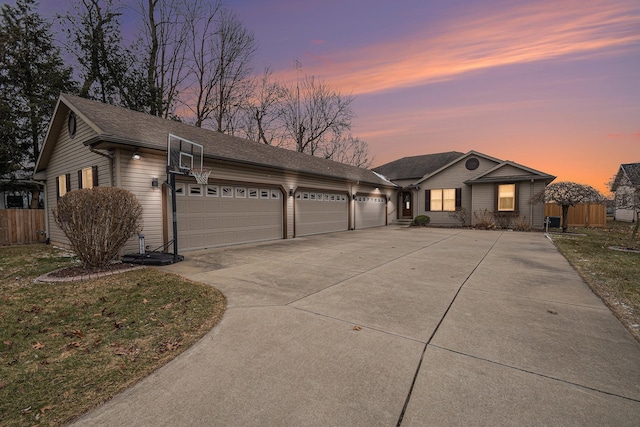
(201, 175)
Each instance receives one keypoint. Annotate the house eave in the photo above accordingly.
(516, 178)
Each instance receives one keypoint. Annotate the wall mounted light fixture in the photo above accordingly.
(136, 156)
(291, 192)
(154, 183)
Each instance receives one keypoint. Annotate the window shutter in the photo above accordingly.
(58, 186)
(516, 190)
(68, 176)
(94, 174)
(458, 198)
(427, 200)
(80, 179)
(496, 194)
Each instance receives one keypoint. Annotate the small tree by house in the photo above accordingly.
(568, 194)
(98, 222)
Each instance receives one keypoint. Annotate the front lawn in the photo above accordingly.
(68, 347)
(612, 274)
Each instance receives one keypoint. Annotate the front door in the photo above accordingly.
(407, 209)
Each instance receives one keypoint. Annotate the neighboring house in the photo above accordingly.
(438, 184)
(626, 186)
(255, 192)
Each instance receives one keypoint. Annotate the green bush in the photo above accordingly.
(98, 222)
(420, 221)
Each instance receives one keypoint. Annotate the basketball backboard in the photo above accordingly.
(183, 155)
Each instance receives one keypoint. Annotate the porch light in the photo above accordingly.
(136, 156)
(291, 192)
(154, 183)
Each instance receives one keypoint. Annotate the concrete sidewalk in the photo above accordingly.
(392, 326)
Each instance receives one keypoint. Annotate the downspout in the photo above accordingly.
(109, 156)
(531, 203)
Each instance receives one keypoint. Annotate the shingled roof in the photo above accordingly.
(117, 125)
(631, 171)
(416, 167)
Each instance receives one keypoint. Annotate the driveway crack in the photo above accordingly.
(435, 330)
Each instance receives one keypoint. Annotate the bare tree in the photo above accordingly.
(263, 117)
(203, 69)
(568, 194)
(164, 41)
(106, 67)
(315, 116)
(350, 150)
(234, 48)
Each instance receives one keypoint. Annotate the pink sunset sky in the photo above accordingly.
(553, 85)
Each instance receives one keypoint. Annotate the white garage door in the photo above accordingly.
(219, 215)
(317, 212)
(370, 212)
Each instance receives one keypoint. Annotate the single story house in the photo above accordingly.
(437, 185)
(257, 192)
(626, 187)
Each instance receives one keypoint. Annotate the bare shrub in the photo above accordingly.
(484, 219)
(502, 220)
(98, 222)
(521, 223)
(461, 215)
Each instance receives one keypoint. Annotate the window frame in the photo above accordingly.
(514, 197)
(457, 199)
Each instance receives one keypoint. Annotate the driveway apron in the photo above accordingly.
(394, 326)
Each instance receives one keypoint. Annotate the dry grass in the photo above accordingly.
(68, 347)
(613, 275)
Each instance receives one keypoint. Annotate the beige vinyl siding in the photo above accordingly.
(70, 156)
(453, 177)
(533, 212)
(506, 170)
(136, 176)
(482, 198)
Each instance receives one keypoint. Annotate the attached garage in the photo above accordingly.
(320, 212)
(370, 211)
(220, 215)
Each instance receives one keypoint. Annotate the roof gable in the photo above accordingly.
(117, 126)
(415, 167)
(457, 160)
(510, 171)
(629, 172)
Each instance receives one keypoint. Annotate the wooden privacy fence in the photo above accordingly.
(22, 226)
(582, 215)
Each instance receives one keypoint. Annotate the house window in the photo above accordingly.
(241, 193)
(506, 197)
(195, 190)
(64, 184)
(227, 191)
(179, 189)
(212, 191)
(253, 193)
(443, 199)
(264, 194)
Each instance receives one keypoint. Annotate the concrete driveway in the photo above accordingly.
(394, 326)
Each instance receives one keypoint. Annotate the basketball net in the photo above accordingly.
(201, 175)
